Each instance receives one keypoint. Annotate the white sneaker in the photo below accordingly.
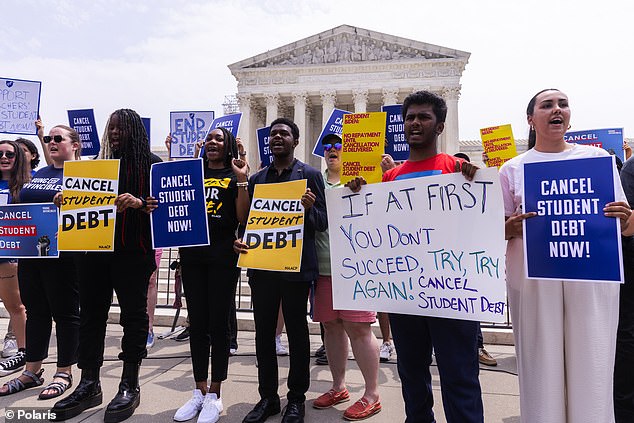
(279, 348)
(212, 407)
(10, 346)
(191, 407)
(386, 351)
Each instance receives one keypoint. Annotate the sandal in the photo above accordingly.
(58, 387)
(16, 385)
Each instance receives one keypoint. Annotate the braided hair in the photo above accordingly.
(134, 169)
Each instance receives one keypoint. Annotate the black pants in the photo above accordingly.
(267, 292)
(624, 362)
(48, 288)
(128, 274)
(210, 289)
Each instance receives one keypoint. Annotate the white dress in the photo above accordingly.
(565, 332)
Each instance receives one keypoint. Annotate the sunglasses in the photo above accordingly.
(336, 146)
(7, 154)
(56, 138)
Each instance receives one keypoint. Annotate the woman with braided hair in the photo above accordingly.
(126, 270)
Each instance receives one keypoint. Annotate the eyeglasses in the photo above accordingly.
(56, 138)
(7, 154)
(336, 146)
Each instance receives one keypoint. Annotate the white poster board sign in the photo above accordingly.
(431, 246)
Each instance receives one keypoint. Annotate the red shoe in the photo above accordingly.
(331, 398)
(362, 409)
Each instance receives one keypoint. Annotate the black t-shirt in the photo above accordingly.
(43, 186)
(221, 193)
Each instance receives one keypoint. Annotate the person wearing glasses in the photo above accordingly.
(341, 325)
(48, 286)
(15, 172)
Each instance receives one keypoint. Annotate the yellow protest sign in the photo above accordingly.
(499, 144)
(275, 227)
(363, 144)
(87, 217)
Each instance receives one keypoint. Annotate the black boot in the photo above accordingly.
(128, 398)
(86, 395)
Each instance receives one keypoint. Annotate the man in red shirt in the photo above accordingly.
(454, 341)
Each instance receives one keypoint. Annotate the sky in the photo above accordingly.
(157, 56)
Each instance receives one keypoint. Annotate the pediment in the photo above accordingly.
(347, 44)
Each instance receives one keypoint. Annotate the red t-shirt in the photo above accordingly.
(439, 164)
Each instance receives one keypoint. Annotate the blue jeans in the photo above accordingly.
(454, 344)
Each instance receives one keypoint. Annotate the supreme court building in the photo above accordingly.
(348, 68)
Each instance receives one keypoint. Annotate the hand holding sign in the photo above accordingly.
(621, 210)
(308, 199)
(513, 227)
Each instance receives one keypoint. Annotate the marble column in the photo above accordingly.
(390, 96)
(272, 103)
(299, 102)
(360, 99)
(246, 132)
(451, 139)
(328, 100)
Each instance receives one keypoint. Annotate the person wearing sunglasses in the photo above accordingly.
(341, 325)
(15, 172)
(48, 286)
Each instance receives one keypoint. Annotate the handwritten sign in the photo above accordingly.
(275, 228)
(266, 157)
(186, 129)
(83, 121)
(499, 144)
(28, 230)
(363, 144)
(19, 106)
(570, 238)
(430, 246)
(334, 125)
(396, 144)
(610, 139)
(88, 214)
(181, 217)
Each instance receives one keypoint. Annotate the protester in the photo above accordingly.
(31, 153)
(15, 172)
(126, 270)
(269, 288)
(48, 287)
(341, 325)
(210, 275)
(453, 340)
(624, 360)
(565, 332)
(483, 355)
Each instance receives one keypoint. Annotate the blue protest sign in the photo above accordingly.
(83, 121)
(147, 126)
(186, 129)
(180, 220)
(395, 142)
(570, 238)
(266, 158)
(230, 122)
(28, 230)
(19, 106)
(610, 139)
(334, 125)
